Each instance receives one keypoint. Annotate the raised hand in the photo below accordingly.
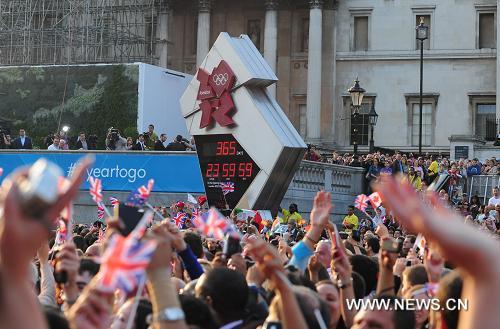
(322, 207)
(20, 235)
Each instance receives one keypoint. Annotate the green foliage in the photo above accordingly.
(86, 98)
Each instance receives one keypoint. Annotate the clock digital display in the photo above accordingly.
(227, 169)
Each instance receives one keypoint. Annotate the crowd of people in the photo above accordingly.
(413, 247)
(146, 141)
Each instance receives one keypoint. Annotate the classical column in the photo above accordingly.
(313, 114)
(203, 39)
(271, 38)
(498, 68)
(163, 32)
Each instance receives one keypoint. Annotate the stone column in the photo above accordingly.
(314, 70)
(498, 68)
(271, 38)
(203, 36)
(163, 33)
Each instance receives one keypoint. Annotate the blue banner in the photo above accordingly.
(122, 171)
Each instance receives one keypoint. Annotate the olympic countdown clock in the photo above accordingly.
(247, 148)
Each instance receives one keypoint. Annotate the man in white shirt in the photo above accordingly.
(495, 199)
(55, 145)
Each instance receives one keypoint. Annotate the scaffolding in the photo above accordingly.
(78, 31)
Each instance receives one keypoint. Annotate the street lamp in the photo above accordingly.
(422, 35)
(357, 94)
(372, 119)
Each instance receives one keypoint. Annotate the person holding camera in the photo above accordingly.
(179, 144)
(114, 141)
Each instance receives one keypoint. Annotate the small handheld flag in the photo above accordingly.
(227, 187)
(95, 189)
(375, 200)
(361, 202)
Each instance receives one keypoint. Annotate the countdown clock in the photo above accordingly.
(227, 169)
(247, 148)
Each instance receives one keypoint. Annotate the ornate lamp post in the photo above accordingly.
(372, 119)
(422, 35)
(357, 94)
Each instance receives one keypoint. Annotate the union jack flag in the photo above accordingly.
(375, 200)
(361, 202)
(144, 191)
(114, 201)
(227, 187)
(125, 260)
(180, 219)
(212, 224)
(95, 189)
(100, 212)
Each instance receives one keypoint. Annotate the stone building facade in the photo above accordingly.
(317, 48)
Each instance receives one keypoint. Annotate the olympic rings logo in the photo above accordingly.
(220, 79)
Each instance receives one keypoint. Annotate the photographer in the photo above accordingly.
(5, 141)
(114, 141)
(179, 144)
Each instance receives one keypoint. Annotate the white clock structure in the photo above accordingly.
(247, 148)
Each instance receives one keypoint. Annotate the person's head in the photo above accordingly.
(54, 317)
(141, 138)
(381, 318)
(450, 287)
(178, 138)
(163, 138)
(87, 270)
(413, 276)
(144, 308)
(350, 210)
(197, 312)
(81, 136)
(22, 133)
(151, 128)
(408, 243)
(372, 245)
(62, 143)
(323, 253)
(495, 191)
(330, 293)
(56, 141)
(419, 292)
(195, 243)
(411, 170)
(387, 163)
(397, 234)
(367, 268)
(293, 208)
(375, 162)
(79, 242)
(226, 291)
(310, 303)
(130, 141)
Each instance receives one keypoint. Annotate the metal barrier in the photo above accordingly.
(482, 186)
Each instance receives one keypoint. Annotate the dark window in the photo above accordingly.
(304, 35)
(361, 33)
(360, 126)
(487, 30)
(486, 121)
